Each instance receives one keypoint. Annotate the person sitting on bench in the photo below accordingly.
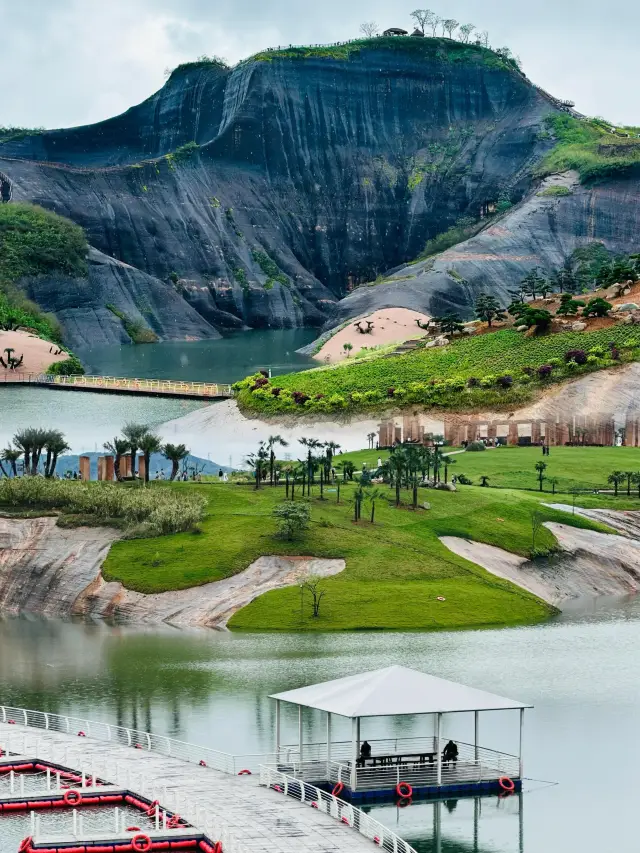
(365, 751)
(450, 752)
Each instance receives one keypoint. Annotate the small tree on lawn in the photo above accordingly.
(615, 478)
(175, 453)
(312, 584)
(484, 480)
(635, 479)
(541, 468)
(272, 441)
(488, 308)
(554, 482)
(628, 475)
(347, 348)
(536, 524)
(372, 495)
(259, 462)
(292, 519)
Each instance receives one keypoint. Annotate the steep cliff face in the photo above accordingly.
(268, 189)
(542, 231)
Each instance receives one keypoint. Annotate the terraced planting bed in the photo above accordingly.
(440, 377)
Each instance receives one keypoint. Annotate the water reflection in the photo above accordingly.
(582, 674)
(468, 825)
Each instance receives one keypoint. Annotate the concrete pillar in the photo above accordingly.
(109, 474)
(562, 434)
(513, 434)
(101, 467)
(492, 430)
(142, 467)
(125, 466)
(85, 468)
(535, 432)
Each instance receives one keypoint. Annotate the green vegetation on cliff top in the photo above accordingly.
(438, 49)
(34, 242)
(395, 569)
(589, 147)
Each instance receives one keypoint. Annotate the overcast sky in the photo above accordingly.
(69, 62)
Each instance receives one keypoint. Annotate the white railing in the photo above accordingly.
(120, 775)
(223, 761)
(335, 808)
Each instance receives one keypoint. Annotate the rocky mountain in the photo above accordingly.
(260, 195)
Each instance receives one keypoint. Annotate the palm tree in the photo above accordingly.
(272, 441)
(118, 447)
(11, 455)
(259, 461)
(31, 442)
(311, 444)
(554, 482)
(447, 461)
(330, 448)
(348, 469)
(628, 475)
(371, 437)
(149, 443)
(397, 467)
(540, 468)
(54, 445)
(373, 494)
(616, 477)
(133, 433)
(635, 479)
(175, 453)
(24, 442)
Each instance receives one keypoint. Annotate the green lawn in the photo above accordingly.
(574, 467)
(395, 571)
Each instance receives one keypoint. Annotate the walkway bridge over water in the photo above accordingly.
(203, 785)
(175, 388)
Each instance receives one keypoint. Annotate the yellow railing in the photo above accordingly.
(119, 383)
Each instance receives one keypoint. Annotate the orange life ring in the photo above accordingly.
(244, 773)
(404, 790)
(507, 784)
(338, 788)
(72, 797)
(141, 843)
(25, 844)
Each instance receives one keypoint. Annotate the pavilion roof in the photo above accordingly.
(395, 691)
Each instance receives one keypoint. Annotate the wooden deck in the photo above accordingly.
(122, 385)
(257, 818)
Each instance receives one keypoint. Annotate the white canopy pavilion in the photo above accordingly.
(392, 692)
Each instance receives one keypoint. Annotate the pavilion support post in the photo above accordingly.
(358, 736)
(520, 767)
(438, 750)
(328, 745)
(476, 733)
(438, 826)
(354, 753)
(277, 730)
(520, 823)
(300, 736)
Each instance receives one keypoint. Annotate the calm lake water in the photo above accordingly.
(226, 360)
(581, 673)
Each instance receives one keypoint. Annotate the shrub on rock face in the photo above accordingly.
(260, 383)
(597, 308)
(276, 392)
(299, 398)
(504, 381)
(391, 392)
(578, 356)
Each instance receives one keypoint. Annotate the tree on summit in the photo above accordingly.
(369, 29)
(423, 18)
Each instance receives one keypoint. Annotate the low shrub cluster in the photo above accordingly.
(487, 370)
(141, 511)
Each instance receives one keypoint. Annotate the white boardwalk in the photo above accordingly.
(259, 819)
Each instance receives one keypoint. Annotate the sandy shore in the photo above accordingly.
(390, 326)
(36, 352)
